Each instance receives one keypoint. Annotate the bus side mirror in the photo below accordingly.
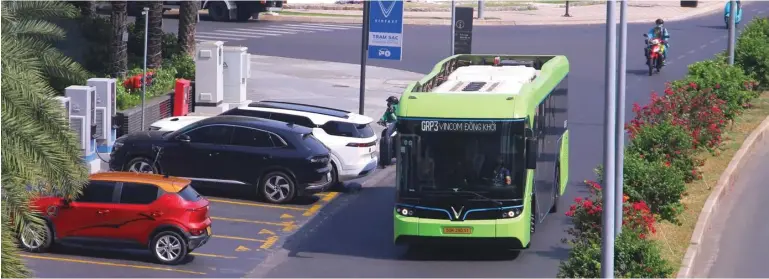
(531, 153)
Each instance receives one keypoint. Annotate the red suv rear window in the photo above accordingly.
(189, 194)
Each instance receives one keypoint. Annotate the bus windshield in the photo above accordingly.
(463, 156)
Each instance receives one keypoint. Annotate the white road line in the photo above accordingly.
(316, 28)
(690, 51)
(681, 57)
(228, 32)
(199, 41)
(266, 31)
(232, 35)
(714, 41)
(294, 29)
(703, 46)
(218, 38)
(760, 12)
(329, 25)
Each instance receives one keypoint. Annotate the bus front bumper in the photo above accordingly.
(510, 233)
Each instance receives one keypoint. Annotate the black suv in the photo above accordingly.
(274, 159)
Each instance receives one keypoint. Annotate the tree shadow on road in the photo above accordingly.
(718, 27)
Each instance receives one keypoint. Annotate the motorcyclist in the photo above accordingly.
(388, 120)
(659, 32)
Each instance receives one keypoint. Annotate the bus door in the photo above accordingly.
(407, 161)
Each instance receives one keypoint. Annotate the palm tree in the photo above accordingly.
(118, 46)
(188, 18)
(155, 35)
(38, 148)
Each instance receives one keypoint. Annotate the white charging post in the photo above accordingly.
(106, 108)
(209, 83)
(236, 71)
(83, 112)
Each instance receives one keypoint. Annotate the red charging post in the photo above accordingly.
(181, 97)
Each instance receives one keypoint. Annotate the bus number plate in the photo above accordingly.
(457, 230)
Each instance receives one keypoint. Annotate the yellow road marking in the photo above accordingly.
(287, 226)
(330, 196)
(212, 255)
(265, 231)
(286, 216)
(270, 241)
(238, 238)
(242, 248)
(312, 210)
(111, 264)
(258, 204)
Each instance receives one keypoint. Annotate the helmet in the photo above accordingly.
(392, 100)
(659, 21)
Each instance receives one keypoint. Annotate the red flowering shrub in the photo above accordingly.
(586, 216)
(729, 83)
(698, 110)
(667, 143)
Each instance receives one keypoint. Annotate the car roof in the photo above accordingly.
(254, 122)
(169, 184)
(317, 114)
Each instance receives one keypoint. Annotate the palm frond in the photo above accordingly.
(11, 265)
(39, 9)
(36, 28)
(57, 65)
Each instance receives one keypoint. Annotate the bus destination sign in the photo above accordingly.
(459, 126)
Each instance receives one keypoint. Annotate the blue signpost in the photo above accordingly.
(385, 37)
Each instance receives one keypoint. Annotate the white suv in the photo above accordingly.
(349, 136)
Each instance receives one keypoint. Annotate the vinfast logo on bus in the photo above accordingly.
(459, 126)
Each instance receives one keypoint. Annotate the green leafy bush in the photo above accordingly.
(184, 65)
(169, 46)
(659, 185)
(752, 51)
(667, 143)
(634, 257)
(162, 83)
(727, 82)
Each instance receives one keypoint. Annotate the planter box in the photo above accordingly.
(689, 4)
(130, 120)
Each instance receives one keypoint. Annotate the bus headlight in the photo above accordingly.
(404, 211)
(512, 213)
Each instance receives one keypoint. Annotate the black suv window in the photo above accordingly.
(138, 193)
(295, 119)
(250, 137)
(345, 129)
(97, 191)
(313, 144)
(215, 134)
(246, 112)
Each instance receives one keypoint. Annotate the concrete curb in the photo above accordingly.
(486, 22)
(758, 136)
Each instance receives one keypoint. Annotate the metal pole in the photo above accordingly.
(732, 18)
(607, 247)
(567, 10)
(453, 22)
(146, 14)
(480, 9)
(620, 125)
(363, 57)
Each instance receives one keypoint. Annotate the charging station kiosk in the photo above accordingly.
(209, 83)
(65, 104)
(106, 108)
(236, 71)
(83, 113)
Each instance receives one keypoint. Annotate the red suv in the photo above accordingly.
(160, 213)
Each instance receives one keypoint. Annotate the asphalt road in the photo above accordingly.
(739, 233)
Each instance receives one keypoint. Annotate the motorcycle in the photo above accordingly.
(654, 49)
(727, 12)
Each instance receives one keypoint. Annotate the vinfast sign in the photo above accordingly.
(459, 126)
(385, 36)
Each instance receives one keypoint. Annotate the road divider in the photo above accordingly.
(147, 267)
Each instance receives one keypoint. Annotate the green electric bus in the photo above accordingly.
(482, 150)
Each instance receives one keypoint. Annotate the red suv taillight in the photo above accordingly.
(366, 144)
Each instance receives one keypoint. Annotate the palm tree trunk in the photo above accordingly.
(155, 38)
(118, 46)
(188, 17)
(87, 8)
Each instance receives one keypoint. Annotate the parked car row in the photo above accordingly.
(276, 149)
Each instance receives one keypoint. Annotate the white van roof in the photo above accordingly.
(487, 79)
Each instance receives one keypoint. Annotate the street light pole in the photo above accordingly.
(480, 9)
(453, 21)
(732, 32)
(146, 13)
(364, 57)
(620, 125)
(607, 247)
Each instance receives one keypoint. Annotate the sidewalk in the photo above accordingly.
(322, 83)
(515, 13)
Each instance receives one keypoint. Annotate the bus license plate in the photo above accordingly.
(457, 230)
(208, 230)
